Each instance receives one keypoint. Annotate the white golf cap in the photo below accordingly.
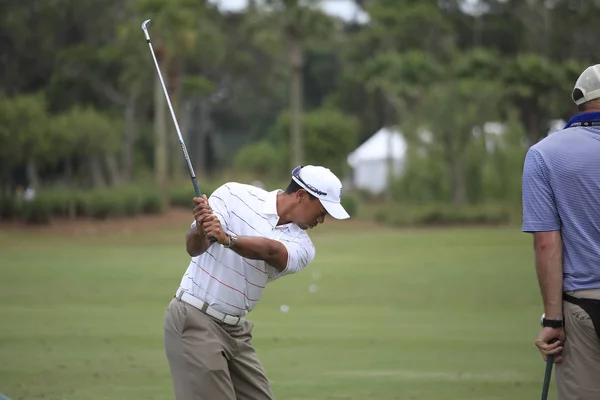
(587, 86)
(324, 185)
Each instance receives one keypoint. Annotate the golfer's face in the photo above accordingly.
(312, 213)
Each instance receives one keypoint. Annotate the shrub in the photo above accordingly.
(444, 215)
(59, 201)
(35, 211)
(351, 203)
(100, 205)
(8, 207)
(182, 194)
(260, 158)
(152, 202)
(328, 136)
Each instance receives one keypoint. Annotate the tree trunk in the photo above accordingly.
(95, 170)
(112, 167)
(72, 210)
(533, 125)
(457, 180)
(187, 112)
(390, 110)
(454, 168)
(160, 136)
(33, 177)
(130, 128)
(201, 134)
(295, 59)
(477, 31)
(4, 186)
(174, 78)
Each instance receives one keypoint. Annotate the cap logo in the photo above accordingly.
(340, 194)
(296, 174)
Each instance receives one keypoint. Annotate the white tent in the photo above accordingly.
(371, 160)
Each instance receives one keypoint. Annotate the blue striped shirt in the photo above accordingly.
(561, 191)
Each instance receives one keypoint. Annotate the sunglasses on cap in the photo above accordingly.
(296, 174)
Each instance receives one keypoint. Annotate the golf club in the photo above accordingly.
(145, 25)
(548, 374)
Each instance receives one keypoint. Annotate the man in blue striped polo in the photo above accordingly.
(561, 207)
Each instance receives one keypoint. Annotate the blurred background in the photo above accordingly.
(410, 102)
(423, 108)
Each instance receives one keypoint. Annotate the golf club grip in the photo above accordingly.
(196, 187)
(199, 194)
(548, 373)
(547, 376)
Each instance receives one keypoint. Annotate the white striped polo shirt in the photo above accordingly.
(227, 281)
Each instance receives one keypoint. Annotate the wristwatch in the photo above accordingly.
(232, 239)
(551, 323)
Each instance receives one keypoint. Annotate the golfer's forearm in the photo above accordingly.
(549, 268)
(195, 243)
(259, 248)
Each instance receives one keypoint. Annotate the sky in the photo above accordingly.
(344, 9)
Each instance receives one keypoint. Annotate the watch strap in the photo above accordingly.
(553, 323)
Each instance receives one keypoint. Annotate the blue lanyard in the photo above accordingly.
(585, 119)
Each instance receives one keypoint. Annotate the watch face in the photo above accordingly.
(542, 319)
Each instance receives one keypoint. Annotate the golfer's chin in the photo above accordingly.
(305, 226)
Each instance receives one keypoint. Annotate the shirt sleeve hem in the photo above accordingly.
(537, 227)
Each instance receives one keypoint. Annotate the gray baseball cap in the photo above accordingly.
(587, 86)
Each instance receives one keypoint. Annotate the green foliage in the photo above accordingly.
(260, 158)
(85, 131)
(351, 203)
(23, 129)
(123, 201)
(35, 211)
(420, 182)
(446, 152)
(434, 215)
(69, 99)
(8, 207)
(399, 25)
(328, 137)
(181, 195)
(501, 170)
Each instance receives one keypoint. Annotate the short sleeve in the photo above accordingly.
(301, 252)
(539, 206)
(218, 201)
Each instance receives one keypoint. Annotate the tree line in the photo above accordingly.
(281, 83)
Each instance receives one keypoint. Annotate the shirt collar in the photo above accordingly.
(583, 119)
(270, 209)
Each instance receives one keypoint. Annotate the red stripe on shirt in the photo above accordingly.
(255, 267)
(224, 284)
(216, 298)
(254, 284)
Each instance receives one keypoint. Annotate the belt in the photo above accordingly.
(205, 308)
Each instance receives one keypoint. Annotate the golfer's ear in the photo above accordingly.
(302, 194)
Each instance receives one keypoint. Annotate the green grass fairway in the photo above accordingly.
(406, 314)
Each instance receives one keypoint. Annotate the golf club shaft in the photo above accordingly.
(162, 82)
(181, 142)
(547, 376)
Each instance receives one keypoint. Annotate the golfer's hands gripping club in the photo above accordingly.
(550, 341)
(212, 226)
(201, 212)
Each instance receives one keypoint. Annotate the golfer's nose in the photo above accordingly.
(321, 219)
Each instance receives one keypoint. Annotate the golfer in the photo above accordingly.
(260, 236)
(561, 207)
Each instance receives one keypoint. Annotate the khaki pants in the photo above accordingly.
(578, 376)
(210, 360)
